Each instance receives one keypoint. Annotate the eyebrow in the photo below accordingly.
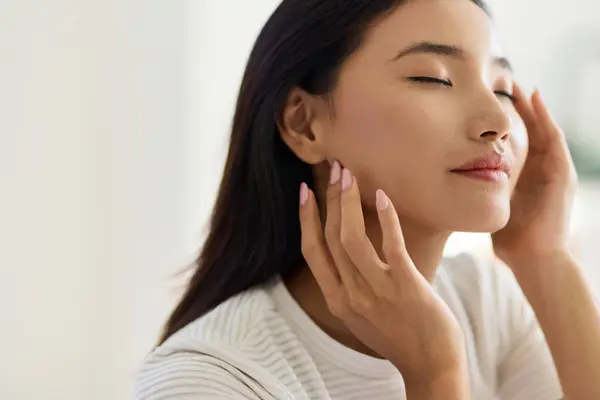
(447, 51)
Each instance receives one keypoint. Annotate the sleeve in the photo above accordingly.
(189, 376)
(526, 370)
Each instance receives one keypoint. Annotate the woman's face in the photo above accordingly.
(405, 135)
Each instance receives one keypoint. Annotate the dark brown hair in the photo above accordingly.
(254, 231)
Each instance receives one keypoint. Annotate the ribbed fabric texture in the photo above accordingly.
(261, 345)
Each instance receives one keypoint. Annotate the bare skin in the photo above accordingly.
(403, 136)
(407, 136)
(376, 300)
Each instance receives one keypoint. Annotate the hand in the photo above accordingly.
(541, 204)
(390, 307)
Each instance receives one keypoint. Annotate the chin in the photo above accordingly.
(486, 227)
(481, 220)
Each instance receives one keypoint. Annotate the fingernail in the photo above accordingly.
(303, 193)
(381, 200)
(346, 179)
(336, 171)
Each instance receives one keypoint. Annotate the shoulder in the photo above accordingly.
(185, 375)
(207, 359)
(229, 323)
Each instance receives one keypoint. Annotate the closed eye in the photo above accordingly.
(428, 79)
(506, 94)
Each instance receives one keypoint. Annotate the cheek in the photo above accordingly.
(376, 130)
(391, 141)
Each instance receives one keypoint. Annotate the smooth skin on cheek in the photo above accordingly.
(394, 140)
(369, 140)
(410, 106)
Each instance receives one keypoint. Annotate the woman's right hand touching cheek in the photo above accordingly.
(389, 306)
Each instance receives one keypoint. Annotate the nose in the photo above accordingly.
(490, 122)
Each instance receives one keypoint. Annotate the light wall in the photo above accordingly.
(113, 130)
(93, 150)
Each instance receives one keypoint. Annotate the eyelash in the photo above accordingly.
(506, 94)
(428, 79)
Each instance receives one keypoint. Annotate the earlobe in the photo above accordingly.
(300, 127)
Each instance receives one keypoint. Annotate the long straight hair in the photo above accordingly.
(254, 232)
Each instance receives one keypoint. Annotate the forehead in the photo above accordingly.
(459, 23)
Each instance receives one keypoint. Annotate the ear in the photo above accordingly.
(302, 125)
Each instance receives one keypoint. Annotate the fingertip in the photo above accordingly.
(517, 88)
(539, 106)
(308, 212)
(381, 200)
(385, 209)
(390, 224)
(336, 172)
(346, 179)
(303, 194)
(519, 93)
(536, 98)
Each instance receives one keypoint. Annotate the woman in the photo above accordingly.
(396, 123)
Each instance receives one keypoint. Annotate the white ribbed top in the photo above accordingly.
(261, 345)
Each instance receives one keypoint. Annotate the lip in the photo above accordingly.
(491, 167)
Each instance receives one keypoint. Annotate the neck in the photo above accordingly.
(425, 247)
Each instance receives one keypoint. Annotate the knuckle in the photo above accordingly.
(336, 306)
(393, 252)
(332, 231)
(387, 297)
(360, 304)
(334, 192)
(308, 247)
(351, 239)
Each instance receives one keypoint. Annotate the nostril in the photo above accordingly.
(488, 134)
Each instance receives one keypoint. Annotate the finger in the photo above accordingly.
(314, 249)
(393, 245)
(538, 135)
(345, 269)
(545, 120)
(354, 237)
(554, 134)
(524, 107)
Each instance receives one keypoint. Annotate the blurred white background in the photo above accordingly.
(114, 118)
